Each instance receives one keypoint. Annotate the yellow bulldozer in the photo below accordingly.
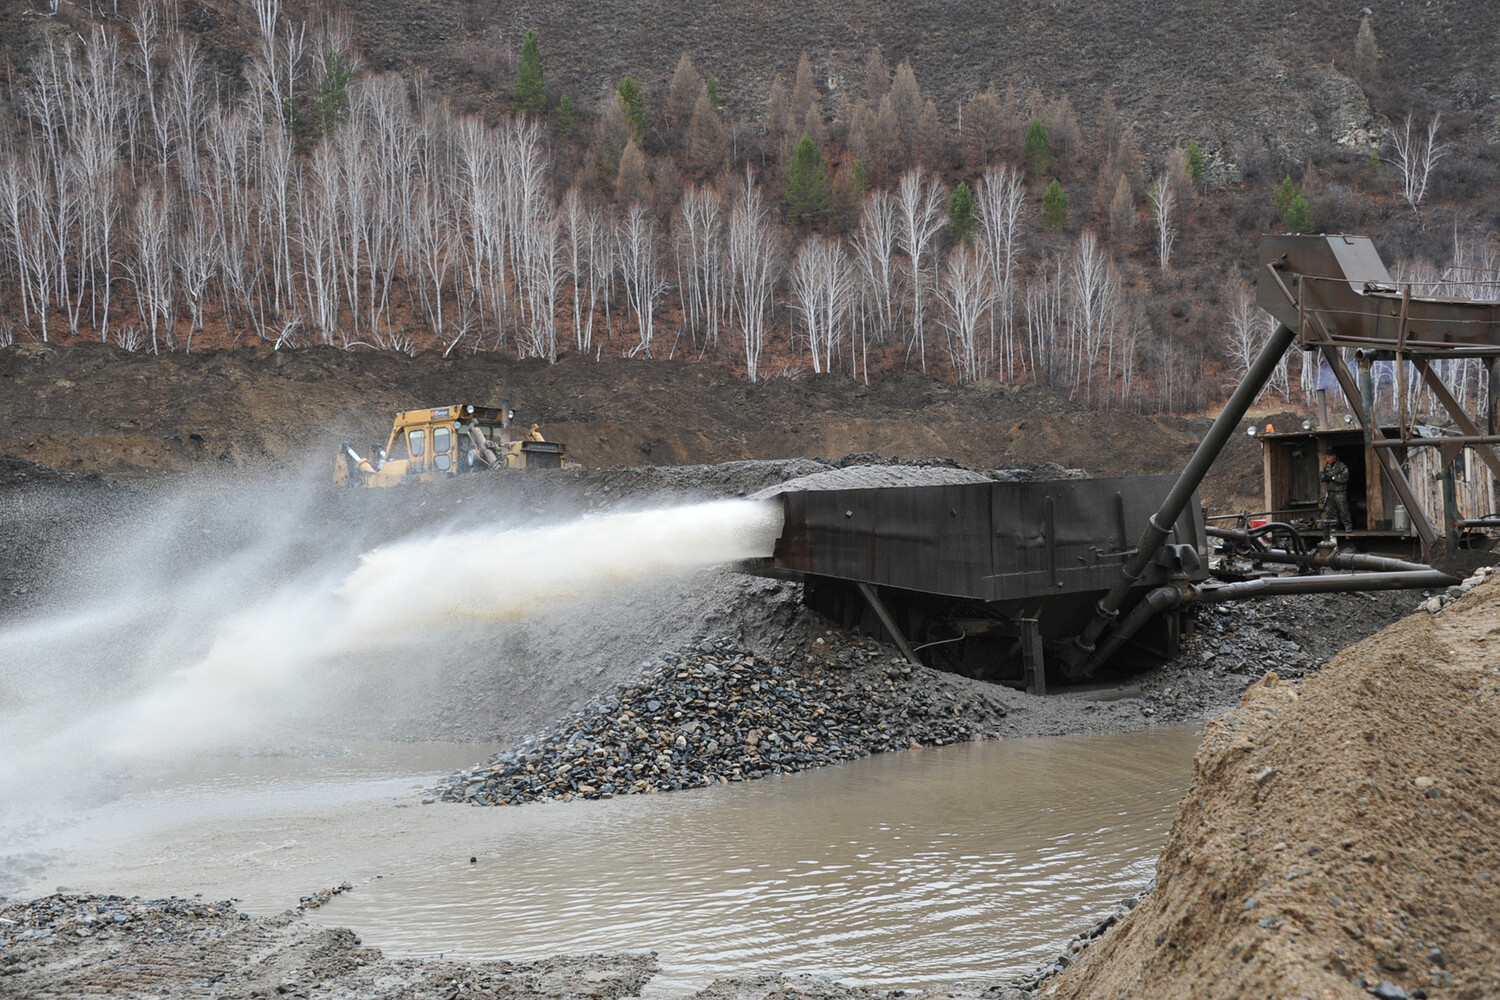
(448, 441)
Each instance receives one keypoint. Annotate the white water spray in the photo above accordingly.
(263, 660)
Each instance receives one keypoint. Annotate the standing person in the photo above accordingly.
(1336, 476)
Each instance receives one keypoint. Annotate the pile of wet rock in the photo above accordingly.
(65, 918)
(1028, 987)
(713, 712)
(1437, 602)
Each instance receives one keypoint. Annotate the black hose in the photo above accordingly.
(1154, 603)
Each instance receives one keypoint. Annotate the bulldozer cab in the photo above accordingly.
(449, 440)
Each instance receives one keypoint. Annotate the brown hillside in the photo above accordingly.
(1221, 72)
(95, 407)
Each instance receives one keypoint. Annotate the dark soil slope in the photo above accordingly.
(93, 407)
(1219, 72)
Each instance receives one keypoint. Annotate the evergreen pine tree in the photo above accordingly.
(1037, 148)
(1055, 207)
(330, 103)
(861, 178)
(567, 116)
(635, 106)
(529, 92)
(713, 90)
(961, 212)
(1192, 158)
(1292, 207)
(806, 183)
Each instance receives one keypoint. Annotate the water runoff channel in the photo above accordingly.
(901, 870)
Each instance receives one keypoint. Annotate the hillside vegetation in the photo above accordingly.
(1068, 195)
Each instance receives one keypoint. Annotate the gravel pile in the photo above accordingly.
(180, 949)
(63, 919)
(1437, 602)
(714, 712)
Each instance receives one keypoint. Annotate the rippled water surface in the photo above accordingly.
(900, 870)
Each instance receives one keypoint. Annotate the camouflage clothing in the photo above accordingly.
(1336, 477)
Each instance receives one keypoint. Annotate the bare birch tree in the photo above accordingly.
(700, 247)
(1414, 159)
(920, 216)
(193, 261)
(752, 271)
(1163, 208)
(573, 219)
(1093, 295)
(151, 269)
(639, 244)
(1046, 318)
(1000, 207)
(822, 286)
(544, 270)
(874, 246)
(965, 293)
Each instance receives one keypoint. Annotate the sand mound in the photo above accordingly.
(1339, 840)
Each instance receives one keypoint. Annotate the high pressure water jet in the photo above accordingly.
(198, 660)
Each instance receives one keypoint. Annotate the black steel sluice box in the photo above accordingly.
(986, 579)
(991, 542)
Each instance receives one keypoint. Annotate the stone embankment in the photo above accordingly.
(66, 946)
(714, 712)
(1438, 602)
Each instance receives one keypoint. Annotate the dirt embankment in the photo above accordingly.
(92, 407)
(1339, 837)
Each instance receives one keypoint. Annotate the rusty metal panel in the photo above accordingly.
(1347, 293)
(994, 542)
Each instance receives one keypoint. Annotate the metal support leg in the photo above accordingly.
(889, 622)
(1460, 418)
(1450, 503)
(1035, 669)
(1374, 495)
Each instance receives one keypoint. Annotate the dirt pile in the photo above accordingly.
(1339, 837)
(66, 946)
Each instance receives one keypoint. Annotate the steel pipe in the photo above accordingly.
(1435, 442)
(1329, 584)
(1081, 657)
(1335, 560)
(1166, 598)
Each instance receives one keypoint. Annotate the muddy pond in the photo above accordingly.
(902, 870)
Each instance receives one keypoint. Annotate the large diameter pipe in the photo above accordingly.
(1081, 657)
(1154, 603)
(1336, 560)
(1166, 598)
(1330, 584)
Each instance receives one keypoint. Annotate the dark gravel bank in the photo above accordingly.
(67, 946)
(714, 712)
